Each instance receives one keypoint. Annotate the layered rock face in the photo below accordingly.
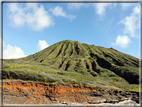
(40, 93)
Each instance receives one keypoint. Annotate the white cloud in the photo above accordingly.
(74, 5)
(132, 25)
(101, 7)
(32, 15)
(13, 52)
(122, 41)
(132, 22)
(42, 44)
(77, 5)
(58, 11)
(126, 5)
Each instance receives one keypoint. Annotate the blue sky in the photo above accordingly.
(31, 27)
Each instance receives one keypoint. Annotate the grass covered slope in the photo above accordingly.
(75, 63)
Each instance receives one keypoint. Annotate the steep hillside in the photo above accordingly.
(76, 63)
(83, 58)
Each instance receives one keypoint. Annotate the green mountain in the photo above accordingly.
(76, 63)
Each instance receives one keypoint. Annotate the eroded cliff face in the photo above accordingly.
(29, 93)
(40, 93)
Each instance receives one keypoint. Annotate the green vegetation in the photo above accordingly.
(74, 64)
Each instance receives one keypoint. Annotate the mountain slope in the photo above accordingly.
(70, 49)
(76, 63)
(76, 57)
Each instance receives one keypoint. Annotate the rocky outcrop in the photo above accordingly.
(40, 93)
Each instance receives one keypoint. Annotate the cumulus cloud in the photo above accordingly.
(132, 25)
(42, 44)
(58, 11)
(13, 52)
(32, 15)
(132, 22)
(122, 41)
(101, 7)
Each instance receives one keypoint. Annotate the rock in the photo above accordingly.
(55, 102)
(93, 102)
(63, 102)
(102, 100)
(136, 99)
(85, 103)
(97, 94)
(30, 93)
(108, 100)
(120, 98)
(114, 101)
(127, 102)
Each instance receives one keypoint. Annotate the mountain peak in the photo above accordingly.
(73, 56)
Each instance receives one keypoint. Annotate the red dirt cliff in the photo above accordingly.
(39, 93)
